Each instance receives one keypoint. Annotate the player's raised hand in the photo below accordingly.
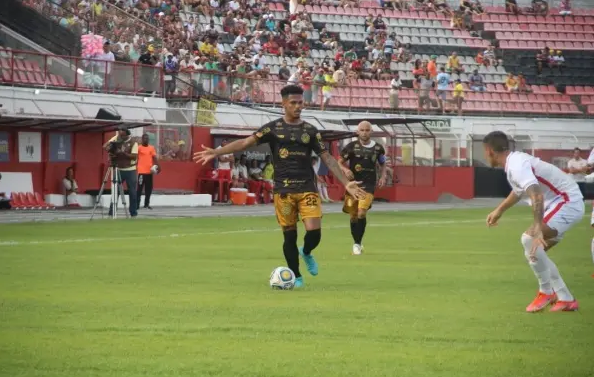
(493, 218)
(204, 156)
(356, 192)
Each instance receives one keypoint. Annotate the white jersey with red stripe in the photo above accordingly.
(524, 170)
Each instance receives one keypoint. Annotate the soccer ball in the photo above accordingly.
(282, 278)
(154, 169)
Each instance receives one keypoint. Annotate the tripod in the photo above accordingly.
(117, 190)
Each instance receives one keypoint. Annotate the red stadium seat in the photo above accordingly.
(16, 202)
(39, 201)
(23, 201)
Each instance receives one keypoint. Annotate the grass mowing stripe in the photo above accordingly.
(238, 231)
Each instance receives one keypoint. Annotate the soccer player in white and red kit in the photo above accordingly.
(591, 165)
(557, 204)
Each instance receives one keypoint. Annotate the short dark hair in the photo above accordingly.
(497, 140)
(577, 149)
(291, 90)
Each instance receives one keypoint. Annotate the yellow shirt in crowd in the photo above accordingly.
(453, 62)
(329, 80)
(458, 90)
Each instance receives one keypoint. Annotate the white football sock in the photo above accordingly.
(540, 267)
(558, 284)
(592, 249)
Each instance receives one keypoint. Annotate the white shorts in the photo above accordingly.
(561, 216)
(328, 95)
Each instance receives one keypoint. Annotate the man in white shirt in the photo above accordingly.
(395, 85)
(226, 159)
(233, 5)
(262, 58)
(577, 166)
(103, 64)
(239, 173)
(557, 204)
(240, 40)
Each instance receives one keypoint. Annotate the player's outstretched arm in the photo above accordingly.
(333, 165)
(345, 169)
(209, 154)
(511, 200)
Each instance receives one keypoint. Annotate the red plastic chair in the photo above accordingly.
(15, 201)
(39, 201)
(29, 200)
(222, 179)
(20, 200)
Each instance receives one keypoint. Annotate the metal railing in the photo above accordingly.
(359, 95)
(31, 69)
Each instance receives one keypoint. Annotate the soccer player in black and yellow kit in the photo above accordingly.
(363, 156)
(291, 143)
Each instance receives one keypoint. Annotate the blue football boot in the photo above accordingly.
(310, 262)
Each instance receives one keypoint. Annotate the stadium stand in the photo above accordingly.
(345, 40)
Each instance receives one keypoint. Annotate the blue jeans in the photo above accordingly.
(131, 179)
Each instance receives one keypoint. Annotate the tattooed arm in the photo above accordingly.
(537, 199)
(335, 167)
(351, 186)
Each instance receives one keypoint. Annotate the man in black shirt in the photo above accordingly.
(363, 156)
(147, 72)
(292, 142)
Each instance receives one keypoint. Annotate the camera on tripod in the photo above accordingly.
(112, 150)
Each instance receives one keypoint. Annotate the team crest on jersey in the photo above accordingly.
(358, 168)
(373, 158)
(305, 138)
(283, 153)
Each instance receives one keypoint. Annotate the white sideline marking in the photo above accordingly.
(239, 231)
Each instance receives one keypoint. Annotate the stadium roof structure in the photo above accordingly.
(394, 126)
(67, 125)
(242, 120)
(53, 113)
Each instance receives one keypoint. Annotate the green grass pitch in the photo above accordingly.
(435, 294)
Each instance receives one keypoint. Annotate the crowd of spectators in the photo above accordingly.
(537, 7)
(191, 53)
